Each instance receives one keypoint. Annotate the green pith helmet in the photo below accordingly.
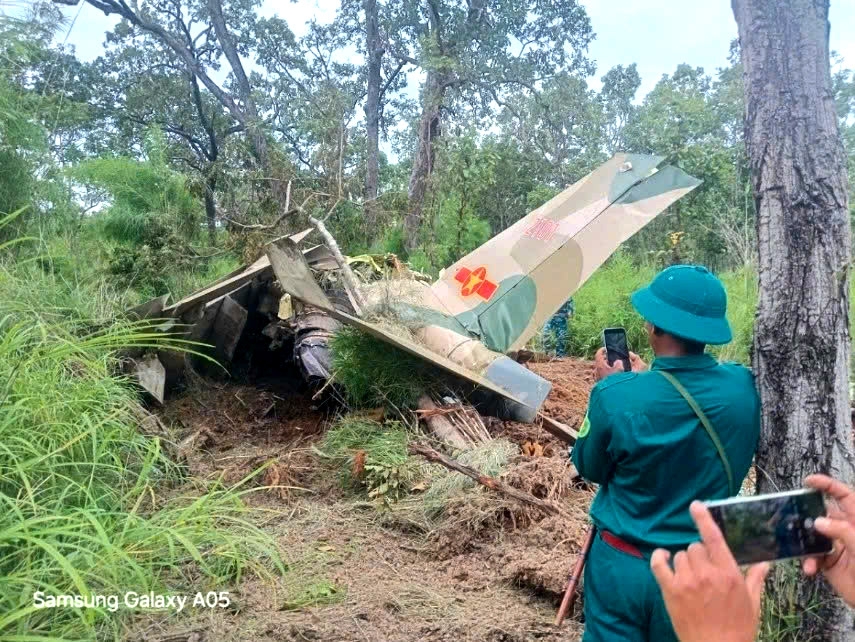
(687, 301)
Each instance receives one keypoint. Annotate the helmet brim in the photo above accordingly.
(708, 330)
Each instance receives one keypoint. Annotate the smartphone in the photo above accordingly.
(617, 349)
(772, 527)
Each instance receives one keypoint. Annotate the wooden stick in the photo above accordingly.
(440, 424)
(557, 429)
(493, 484)
(570, 593)
(351, 285)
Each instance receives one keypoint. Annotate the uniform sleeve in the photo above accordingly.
(591, 452)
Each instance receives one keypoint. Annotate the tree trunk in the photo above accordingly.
(251, 121)
(429, 131)
(210, 208)
(801, 342)
(372, 112)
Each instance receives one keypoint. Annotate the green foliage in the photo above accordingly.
(146, 195)
(789, 601)
(741, 286)
(319, 593)
(455, 228)
(385, 470)
(83, 502)
(603, 302)
(374, 373)
(151, 220)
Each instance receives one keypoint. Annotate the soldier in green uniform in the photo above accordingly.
(654, 440)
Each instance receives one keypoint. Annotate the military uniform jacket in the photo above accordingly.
(646, 448)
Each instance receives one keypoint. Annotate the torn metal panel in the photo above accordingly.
(261, 269)
(294, 275)
(243, 294)
(148, 310)
(320, 257)
(228, 328)
(151, 375)
(218, 290)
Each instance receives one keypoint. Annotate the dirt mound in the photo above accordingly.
(490, 569)
(572, 381)
(231, 430)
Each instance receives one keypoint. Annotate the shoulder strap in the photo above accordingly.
(706, 424)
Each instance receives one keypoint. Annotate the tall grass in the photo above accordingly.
(88, 504)
(603, 302)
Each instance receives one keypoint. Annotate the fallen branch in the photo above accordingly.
(350, 281)
(288, 212)
(439, 424)
(493, 484)
(555, 428)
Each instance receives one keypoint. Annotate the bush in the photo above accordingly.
(82, 506)
(374, 373)
(604, 301)
(372, 456)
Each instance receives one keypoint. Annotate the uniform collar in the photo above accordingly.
(690, 362)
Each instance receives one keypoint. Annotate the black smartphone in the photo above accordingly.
(772, 527)
(617, 349)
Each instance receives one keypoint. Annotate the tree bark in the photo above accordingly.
(211, 208)
(251, 121)
(429, 131)
(801, 341)
(372, 112)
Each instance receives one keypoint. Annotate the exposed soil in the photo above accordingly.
(567, 402)
(495, 571)
(572, 381)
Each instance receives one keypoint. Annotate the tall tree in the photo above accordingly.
(619, 87)
(801, 344)
(374, 59)
(483, 51)
(140, 84)
(165, 21)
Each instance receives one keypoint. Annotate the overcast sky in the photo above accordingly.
(656, 34)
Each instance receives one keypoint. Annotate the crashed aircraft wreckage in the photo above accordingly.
(487, 304)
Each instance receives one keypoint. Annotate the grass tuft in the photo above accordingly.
(372, 457)
(87, 505)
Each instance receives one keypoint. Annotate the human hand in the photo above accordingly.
(602, 369)
(706, 595)
(839, 566)
(637, 363)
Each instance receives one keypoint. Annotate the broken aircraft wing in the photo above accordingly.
(522, 388)
(504, 291)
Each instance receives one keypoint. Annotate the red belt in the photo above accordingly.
(616, 542)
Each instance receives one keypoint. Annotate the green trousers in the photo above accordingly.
(622, 599)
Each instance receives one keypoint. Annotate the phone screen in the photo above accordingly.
(617, 349)
(772, 527)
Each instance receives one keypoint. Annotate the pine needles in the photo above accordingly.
(374, 373)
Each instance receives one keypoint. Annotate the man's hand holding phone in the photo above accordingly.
(602, 369)
(838, 567)
(706, 595)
